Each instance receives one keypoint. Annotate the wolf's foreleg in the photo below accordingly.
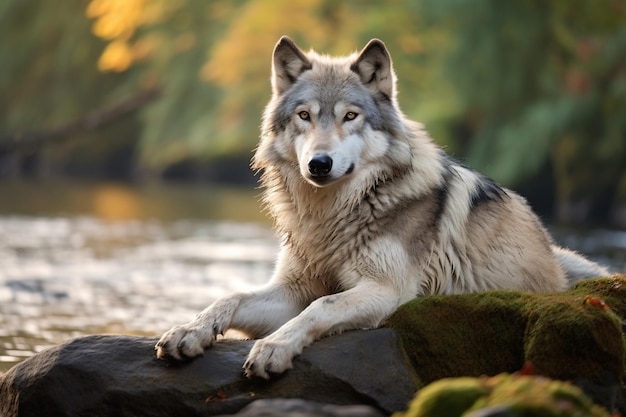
(364, 306)
(257, 314)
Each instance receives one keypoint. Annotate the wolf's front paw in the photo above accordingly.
(184, 342)
(271, 355)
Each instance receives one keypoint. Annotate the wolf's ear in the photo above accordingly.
(374, 67)
(287, 64)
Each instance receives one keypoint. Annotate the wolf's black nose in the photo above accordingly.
(320, 165)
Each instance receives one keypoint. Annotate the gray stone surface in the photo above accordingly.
(295, 407)
(120, 376)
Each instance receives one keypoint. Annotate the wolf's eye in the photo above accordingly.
(350, 116)
(304, 115)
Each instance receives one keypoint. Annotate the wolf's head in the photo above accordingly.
(332, 118)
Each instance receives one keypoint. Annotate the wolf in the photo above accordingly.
(371, 214)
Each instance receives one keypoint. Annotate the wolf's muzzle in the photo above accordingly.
(320, 166)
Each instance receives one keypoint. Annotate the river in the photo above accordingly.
(93, 258)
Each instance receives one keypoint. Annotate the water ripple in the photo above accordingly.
(67, 277)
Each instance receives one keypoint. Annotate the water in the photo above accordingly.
(102, 258)
(78, 259)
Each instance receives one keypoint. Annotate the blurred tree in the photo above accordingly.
(212, 61)
(541, 84)
(48, 82)
(532, 92)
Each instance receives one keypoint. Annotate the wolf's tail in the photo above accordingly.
(576, 266)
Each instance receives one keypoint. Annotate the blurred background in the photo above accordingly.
(127, 126)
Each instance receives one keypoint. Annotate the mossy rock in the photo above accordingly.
(502, 395)
(566, 336)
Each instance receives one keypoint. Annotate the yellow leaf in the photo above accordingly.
(117, 57)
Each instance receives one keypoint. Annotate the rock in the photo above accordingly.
(120, 376)
(575, 335)
(300, 408)
(503, 395)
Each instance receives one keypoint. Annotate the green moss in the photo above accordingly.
(520, 395)
(447, 398)
(612, 290)
(488, 333)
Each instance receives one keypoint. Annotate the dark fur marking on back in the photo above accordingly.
(486, 190)
(443, 192)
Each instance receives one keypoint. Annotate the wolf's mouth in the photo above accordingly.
(323, 180)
